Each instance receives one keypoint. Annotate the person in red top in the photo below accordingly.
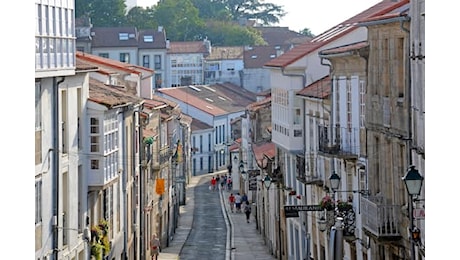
(213, 183)
(231, 200)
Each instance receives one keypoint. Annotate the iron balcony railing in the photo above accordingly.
(340, 141)
(380, 219)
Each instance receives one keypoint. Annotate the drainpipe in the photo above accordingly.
(55, 156)
(141, 185)
(304, 82)
(409, 92)
(409, 138)
(331, 134)
(123, 186)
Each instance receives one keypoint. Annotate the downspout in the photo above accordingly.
(55, 179)
(409, 92)
(332, 114)
(304, 82)
(409, 137)
(123, 186)
(141, 184)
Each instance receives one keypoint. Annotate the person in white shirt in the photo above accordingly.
(238, 202)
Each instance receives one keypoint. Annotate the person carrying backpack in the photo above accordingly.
(247, 210)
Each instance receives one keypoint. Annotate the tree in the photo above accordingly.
(307, 32)
(103, 13)
(265, 13)
(212, 10)
(141, 18)
(231, 34)
(181, 20)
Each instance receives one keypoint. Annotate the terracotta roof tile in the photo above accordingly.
(110, 96)
(345, 48)
(109, 37)
(318, 89)
(187, 47)
(200, 125)
(257, 56)
(335, 32)
(108, 64)
(278, 35)
(263, 149)
(215, 99)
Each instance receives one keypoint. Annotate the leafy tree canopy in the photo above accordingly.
(231, 34)
(307, 32)
(103, 13)
(188, 20)
(181, 20)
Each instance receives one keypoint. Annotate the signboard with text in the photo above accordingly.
(252, 175)
(292, 211)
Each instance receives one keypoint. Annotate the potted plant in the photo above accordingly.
(100, 244)
(327, 203)
(343, 205)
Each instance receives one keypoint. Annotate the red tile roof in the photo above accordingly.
(187, 47)
(105, 63)
(345, 48)
(110, 96)
(263, 149)
(318, 89)
(334, 33)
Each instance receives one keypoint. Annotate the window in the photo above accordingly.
(157, 61)
(297, 116)
(146, 61)
(362, 103)
(123, 36)
(124, 57)
(158, 80)
(148, 38)
(38, 123)
(201, 144)
(94, 164)
(38, 201)
(104, 55)
(94, 134)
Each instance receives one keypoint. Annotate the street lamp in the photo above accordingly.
(267, 182)
(335, 181)
(413, 181)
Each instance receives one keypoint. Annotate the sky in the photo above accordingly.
(318, 16)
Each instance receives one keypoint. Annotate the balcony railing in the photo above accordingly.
(308, 176)
(380, 219)
(339, 141)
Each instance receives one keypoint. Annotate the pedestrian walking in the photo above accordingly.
(231, 200)
(213, 183)
(217, 181)
(238, 202)
(154, 247)
(223, 182)
(247, 210)
(244, 198)
(229, 183)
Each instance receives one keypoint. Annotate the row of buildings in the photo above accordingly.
(348, 106)
(125, 117)
(187, 63)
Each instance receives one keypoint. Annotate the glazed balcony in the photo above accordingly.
(339, 141)
(380, 219)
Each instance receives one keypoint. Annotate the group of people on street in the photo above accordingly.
(236, 201)
(225, 182)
